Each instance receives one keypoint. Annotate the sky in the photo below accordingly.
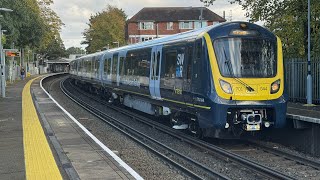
(75, 14)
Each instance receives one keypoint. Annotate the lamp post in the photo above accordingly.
(309, 77)
(3, 62)
(206, 3)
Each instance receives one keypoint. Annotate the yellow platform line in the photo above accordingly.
(39, 160)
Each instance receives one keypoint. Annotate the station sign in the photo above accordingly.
(12, 54)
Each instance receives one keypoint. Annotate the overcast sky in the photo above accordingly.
(76, 13)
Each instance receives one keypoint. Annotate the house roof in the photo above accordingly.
(174, 14)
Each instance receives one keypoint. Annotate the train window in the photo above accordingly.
(114, 64)
(143, 66)
(170, 64)
(106, 66)
(153, 61)
(158, 62)
(135, 67)
(89, 66)
(121, 66)
(127, 65)
(97, 66)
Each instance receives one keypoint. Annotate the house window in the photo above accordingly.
(185, 25)
(146, 25)
(199, 24)
(169, 25)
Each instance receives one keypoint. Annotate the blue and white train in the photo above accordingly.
(217, 81)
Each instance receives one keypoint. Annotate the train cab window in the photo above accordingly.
(170, 64)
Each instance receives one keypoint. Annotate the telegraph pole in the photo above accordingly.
(309, 77)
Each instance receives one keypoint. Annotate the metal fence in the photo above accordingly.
(296, 75)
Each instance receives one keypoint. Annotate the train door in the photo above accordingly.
(187, 74)
(114, 66)
(120, 68)
(197, 67)
(106, 78)
(155, 69)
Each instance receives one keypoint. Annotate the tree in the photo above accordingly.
(105, 28)
(24, 25)
(51, 42)
(288, 20)
(75, 50)
(207, 3)
(32, 24)
(55, 49)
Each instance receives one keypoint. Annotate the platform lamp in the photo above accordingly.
(309, 77)
(3, 63)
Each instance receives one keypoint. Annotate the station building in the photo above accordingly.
(154, 22)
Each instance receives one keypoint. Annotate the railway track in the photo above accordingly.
(141, 139)
(222, 153)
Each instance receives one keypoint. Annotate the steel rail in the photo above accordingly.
(122, 127)
(293, 157)
(259, 168)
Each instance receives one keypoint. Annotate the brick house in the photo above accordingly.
(154, 22)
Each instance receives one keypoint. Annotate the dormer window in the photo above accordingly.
(146, 25)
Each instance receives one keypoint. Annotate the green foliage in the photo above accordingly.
(105, 28)
(288, 19)
(51, 46)
(32, 24)
(24, 25)
(207, 3)
(54, 50)
(75, 50)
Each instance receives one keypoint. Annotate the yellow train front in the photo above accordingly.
(247, 74)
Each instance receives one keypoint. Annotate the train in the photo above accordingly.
(220, 81)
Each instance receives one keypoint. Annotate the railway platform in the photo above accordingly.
(301, 112)
(303, 130)
(40, 140)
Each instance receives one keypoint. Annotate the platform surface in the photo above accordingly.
(11, 134)
(39, 141)
(303, 112)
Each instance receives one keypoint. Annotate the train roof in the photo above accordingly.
(192, 34)
(171, 38)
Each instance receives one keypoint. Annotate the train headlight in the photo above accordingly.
(275, 86)
(225, 86)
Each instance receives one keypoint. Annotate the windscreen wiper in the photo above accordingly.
(228, 63)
